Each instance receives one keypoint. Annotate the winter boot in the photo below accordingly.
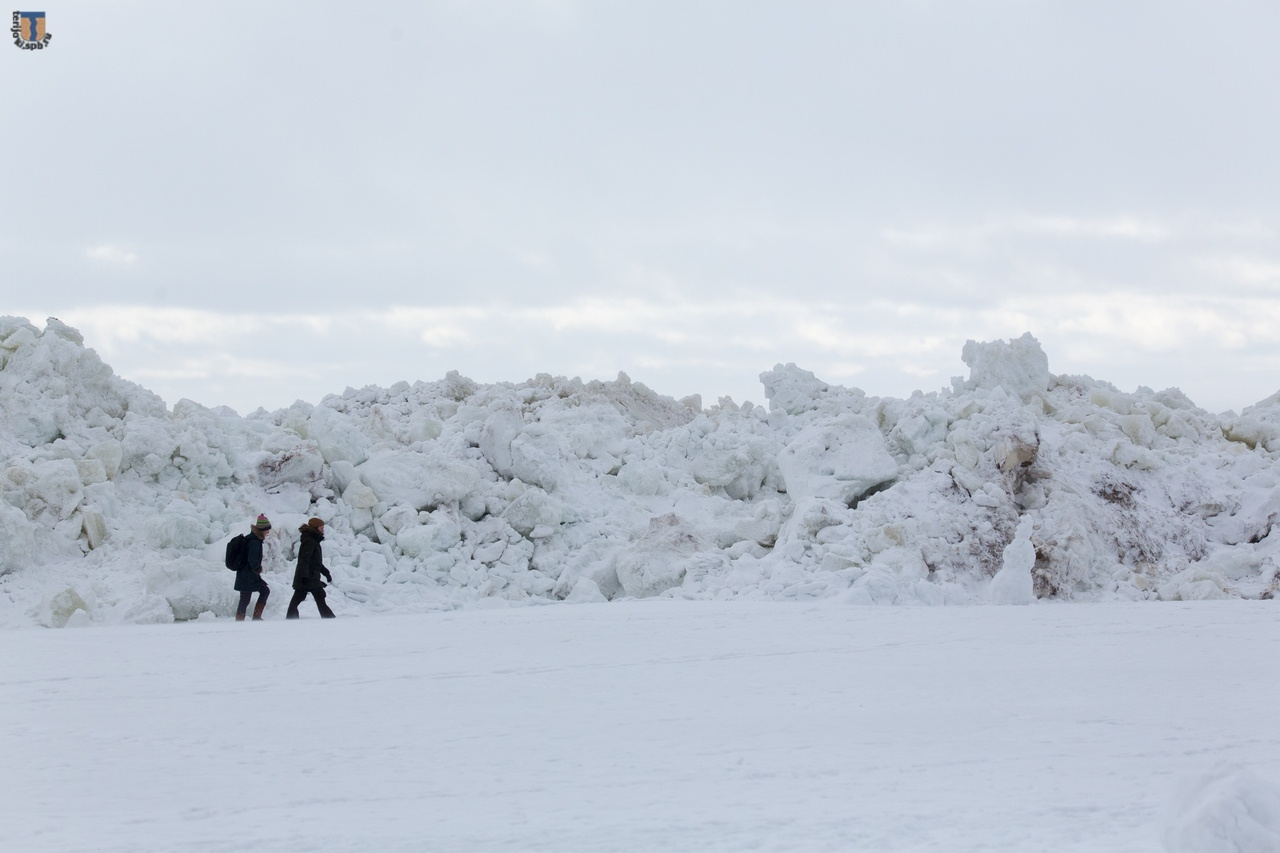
(239, 615)
(257, 610)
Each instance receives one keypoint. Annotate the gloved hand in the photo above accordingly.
(328, 575)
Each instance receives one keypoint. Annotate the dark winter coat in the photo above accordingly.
(250, 579)
(310, 562)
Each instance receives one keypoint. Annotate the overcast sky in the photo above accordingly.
(252, 204)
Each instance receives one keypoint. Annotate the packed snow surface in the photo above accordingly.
(1013, 485)
(653, 726)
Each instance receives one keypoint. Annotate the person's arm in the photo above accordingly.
(320, 567)
(253, 553)
(306, 555)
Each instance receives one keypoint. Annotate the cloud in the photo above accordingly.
(436, 327)
(702, 332)
(1121, 228)
(110, 326)
(1255, 273)
(558, 16)
(975, 237)
(1154, 323)
(109, 254)
(223, 365)
(714, 347)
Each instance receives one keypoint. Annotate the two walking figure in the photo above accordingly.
(306, 577)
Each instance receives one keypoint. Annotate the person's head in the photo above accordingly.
(261, 527)
(316, 524)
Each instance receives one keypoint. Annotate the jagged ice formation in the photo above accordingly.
(1012, 485)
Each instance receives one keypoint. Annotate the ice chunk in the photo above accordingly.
(841, 460)
(148, 609)
(342, 474)
(499, 431)
(359, 496)
(1194, 584)
(191, 586)
(531, 509)
(917, 432)
(424, 539)
(739, 464)
(1018, 366)
(58, 485)
(95, 527)
(301, 465)
(658, 561)
(397, 518)
(55, 326)
(585, 591)
(1254, 432)
(419, 479)
(16, 332)
(79, 619)
(18, 536)
(791, 389)
(172, 530)
(91, 471)
(148, 445)
(337, 437)
(374, 565)
(423, 427)
(57, 609)
(642, 478)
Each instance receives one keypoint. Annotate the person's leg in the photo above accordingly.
(263, 592)
(244, 604)
(298, 596)
(325, 612)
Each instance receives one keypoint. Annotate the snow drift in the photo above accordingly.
(1012, 485)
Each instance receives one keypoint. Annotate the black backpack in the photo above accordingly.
(236, 557)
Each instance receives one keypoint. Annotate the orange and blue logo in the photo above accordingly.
(30, 31)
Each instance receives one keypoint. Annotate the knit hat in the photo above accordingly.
(315, 523)
(262, 523)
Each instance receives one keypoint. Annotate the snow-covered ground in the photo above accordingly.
(1013, 485)
(653, 726)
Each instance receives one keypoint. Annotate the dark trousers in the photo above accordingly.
(245, 595)
(300, 595)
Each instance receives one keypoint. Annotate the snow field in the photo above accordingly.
(659, 725)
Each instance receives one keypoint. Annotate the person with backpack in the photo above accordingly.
(247, 557)
(306, 578)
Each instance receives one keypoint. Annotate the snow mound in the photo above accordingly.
(1230, 810)
(1010, 486)
(1013, 584)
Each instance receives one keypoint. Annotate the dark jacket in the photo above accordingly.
(250, 579)
(310, 562)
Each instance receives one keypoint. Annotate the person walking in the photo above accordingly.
(249, 575)
(306, 578)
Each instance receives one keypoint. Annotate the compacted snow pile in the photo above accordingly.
(1012, 485)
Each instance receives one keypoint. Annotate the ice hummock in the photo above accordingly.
(1013, 485)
